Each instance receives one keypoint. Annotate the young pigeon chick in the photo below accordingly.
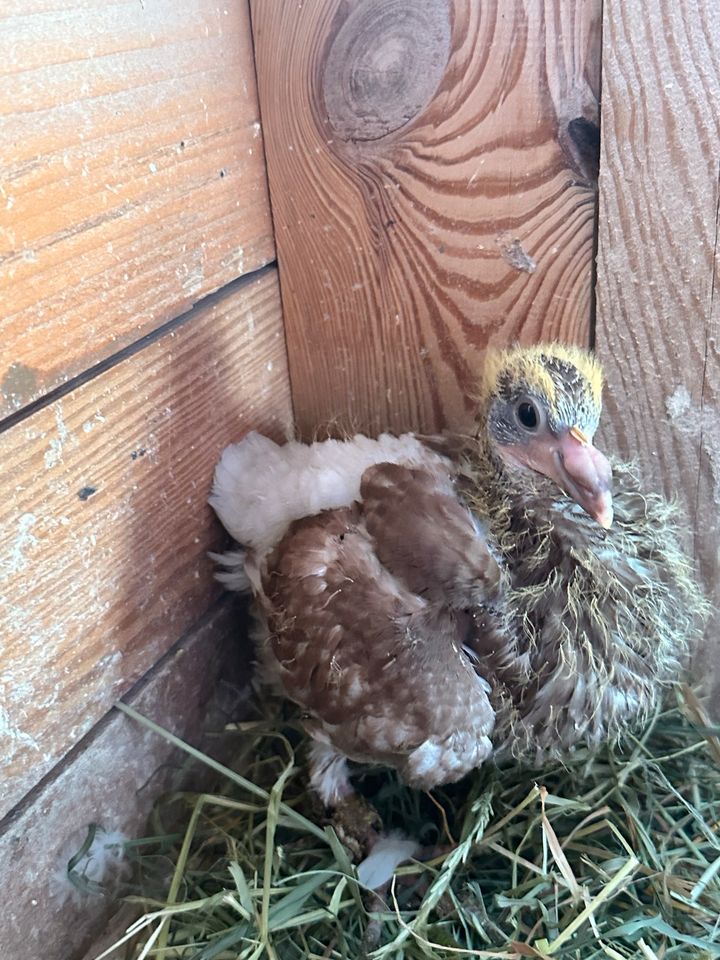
(427, 610)
(603, 602)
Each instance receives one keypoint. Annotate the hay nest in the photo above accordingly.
(614, 854)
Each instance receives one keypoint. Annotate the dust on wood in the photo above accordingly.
(657, 290)
(93, 589)
(133, 180)
(431, 173)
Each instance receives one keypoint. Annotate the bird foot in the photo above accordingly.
(357, 824)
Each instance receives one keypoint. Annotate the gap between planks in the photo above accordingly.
(134, 348)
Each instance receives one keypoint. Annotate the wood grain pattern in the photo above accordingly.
(105, 523)
(113, 779)
(431, 167)
(132, 179)
(657, 290)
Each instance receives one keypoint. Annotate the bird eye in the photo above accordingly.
(527, 415)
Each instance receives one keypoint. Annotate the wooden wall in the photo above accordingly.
(658, 302)
(140, 332)
(133, 181)
(433, 175)
(432, 168)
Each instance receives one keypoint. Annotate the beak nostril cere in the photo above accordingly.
(579, 435)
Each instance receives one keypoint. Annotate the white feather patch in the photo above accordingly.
(384, 858)
(329, 773)
(261, 487)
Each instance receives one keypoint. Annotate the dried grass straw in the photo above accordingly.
(614, 854)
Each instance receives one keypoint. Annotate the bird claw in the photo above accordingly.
(357, 824)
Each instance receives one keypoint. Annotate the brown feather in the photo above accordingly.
(380, 669)
(425, 536)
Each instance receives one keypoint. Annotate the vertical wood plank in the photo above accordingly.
(432, 170)
(657, 293)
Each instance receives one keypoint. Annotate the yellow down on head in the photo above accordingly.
(525, 365)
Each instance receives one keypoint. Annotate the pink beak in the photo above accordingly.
(576, 466)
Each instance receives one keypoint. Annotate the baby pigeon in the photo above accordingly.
(430, 602)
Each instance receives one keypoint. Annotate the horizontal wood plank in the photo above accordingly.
(432, 169)
(658, 258)
(132, 180)
(112, 779)
(105, 523)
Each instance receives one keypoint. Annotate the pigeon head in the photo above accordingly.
(541, 407)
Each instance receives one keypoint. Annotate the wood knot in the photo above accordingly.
(384, 64)
(581, 145)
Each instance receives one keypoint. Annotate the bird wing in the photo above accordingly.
(427, 537)
(434, 544)
(377, 666)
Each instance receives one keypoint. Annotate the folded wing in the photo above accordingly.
(369, 608)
